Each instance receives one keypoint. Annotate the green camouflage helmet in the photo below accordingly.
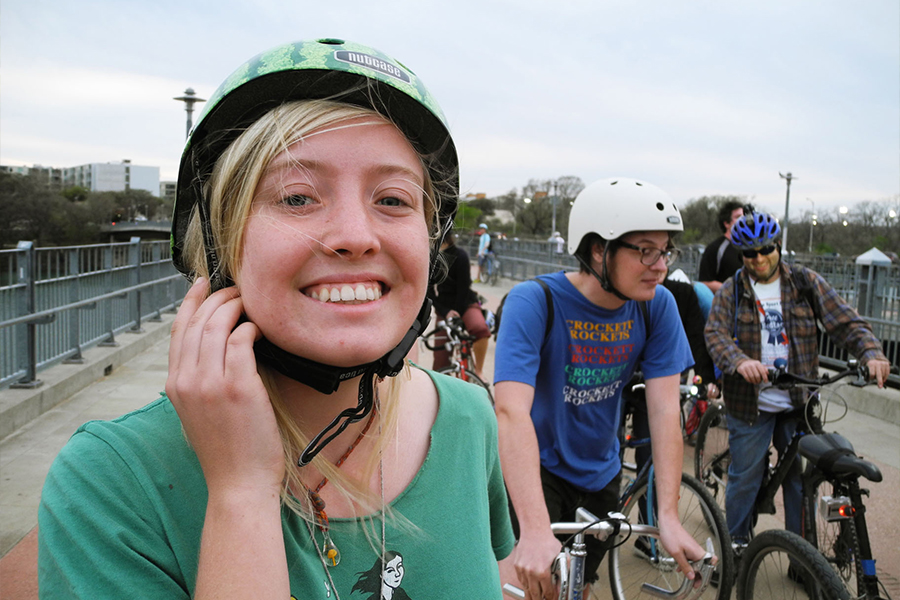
(308, 70)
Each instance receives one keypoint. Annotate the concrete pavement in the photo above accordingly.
(136, 373)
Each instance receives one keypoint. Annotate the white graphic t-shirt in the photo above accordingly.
(774, 341)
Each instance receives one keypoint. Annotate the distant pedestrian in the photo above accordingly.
(560, 242)
(484, 249)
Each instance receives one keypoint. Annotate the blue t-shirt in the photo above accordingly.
(579, 372)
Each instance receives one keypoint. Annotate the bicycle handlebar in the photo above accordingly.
(455, 331)
(602, 529)
(781, 378)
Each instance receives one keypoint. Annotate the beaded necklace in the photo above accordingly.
(329, 550)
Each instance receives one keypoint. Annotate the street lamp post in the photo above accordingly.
(843, 211)
(555, 199)
(812, 223)
(189, 99)
(787, 206)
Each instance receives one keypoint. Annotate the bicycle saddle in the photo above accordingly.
(832, 453)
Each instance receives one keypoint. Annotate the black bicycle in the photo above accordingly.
(832, 509)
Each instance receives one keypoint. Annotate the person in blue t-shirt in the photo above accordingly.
(484, 248)
(558, 393)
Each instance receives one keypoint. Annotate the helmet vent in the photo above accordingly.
(660, 207)
(331, 41)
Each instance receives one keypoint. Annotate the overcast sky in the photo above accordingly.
(698, 97)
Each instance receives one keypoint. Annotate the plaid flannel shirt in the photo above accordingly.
(732, 341)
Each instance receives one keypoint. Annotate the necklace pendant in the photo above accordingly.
(330, 552)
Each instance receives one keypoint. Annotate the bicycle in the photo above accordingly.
(491, 268)
(568, 567)
(781, 564)
(832, 507)
(698, 513)
(451, 335)
(833, 511)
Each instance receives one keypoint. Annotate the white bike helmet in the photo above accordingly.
(616, 206)
(613, 207)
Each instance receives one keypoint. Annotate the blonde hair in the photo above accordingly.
(230, 192)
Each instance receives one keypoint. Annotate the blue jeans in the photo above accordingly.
(749, 446)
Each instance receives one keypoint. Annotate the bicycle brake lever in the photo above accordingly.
(687, 591)
(862, 377)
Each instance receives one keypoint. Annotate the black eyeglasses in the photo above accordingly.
(765, 251)
(649, 256)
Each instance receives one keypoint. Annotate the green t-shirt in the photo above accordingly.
(123, 508)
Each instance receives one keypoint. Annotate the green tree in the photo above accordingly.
(27, 210)
(485, 205)
(76, 193)
(700, 218)
(467, 217)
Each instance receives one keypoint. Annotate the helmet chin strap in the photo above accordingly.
(327, 378)
(605, 283)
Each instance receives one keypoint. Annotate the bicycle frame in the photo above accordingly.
(569, 564)
(773, 477)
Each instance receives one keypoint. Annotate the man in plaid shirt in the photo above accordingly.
(774, 316)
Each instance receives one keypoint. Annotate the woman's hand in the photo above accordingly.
(214, 385)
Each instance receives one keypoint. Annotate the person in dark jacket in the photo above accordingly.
(454, 297)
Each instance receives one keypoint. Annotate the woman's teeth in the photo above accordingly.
(346, 293)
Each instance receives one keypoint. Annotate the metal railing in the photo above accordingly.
(57, 302)
(873, 290)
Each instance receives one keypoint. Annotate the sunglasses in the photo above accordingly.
(765, 251)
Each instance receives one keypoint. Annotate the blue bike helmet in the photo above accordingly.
(755, 230)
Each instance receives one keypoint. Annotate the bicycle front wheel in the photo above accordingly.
(711, 454)
(640, 559)
(470, 376)
(836, 540)
(781, 564)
